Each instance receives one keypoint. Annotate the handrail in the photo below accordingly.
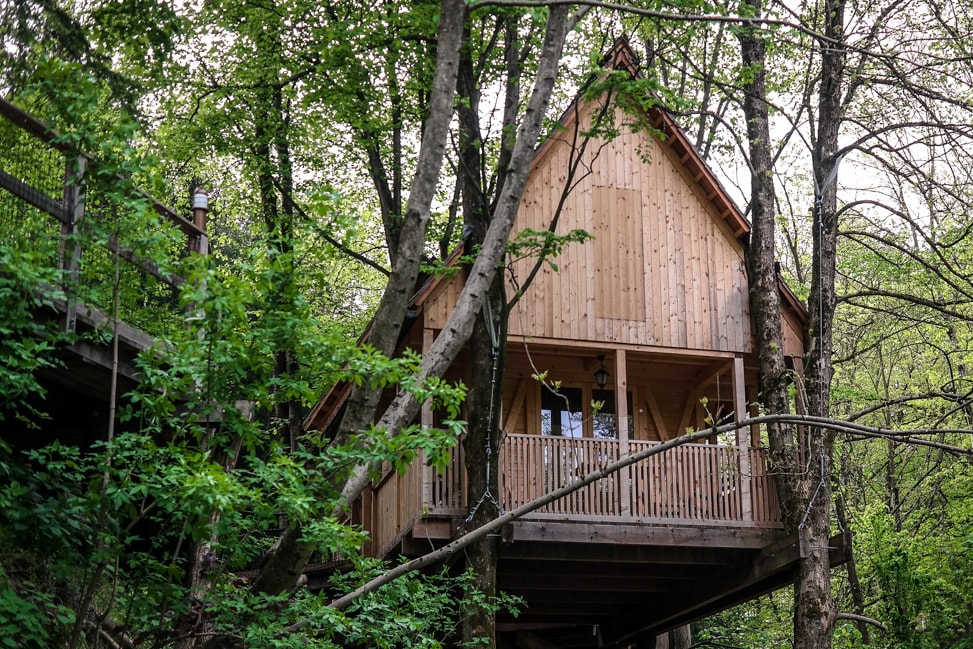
(49, 136)
(693, 484)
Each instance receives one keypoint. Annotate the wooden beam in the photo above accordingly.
(709, 374)
(517, 405)
(656, 413)
(28, 194)
(770, 569)
(580, 598)
(102, 357)
(432, 528)
(147, 265)
(604, 554)
(743, 434)
(69, 248)
(33, 126)
(839, 549)
(739, 390)
(687, 411)
(95, 319)
(521, 583)
(643, 570)
(527, 640)
(640, 534)
(621, 417)
(549, 345)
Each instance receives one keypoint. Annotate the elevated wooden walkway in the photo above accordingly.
(43, 188)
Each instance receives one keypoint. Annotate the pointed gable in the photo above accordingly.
(666, 266)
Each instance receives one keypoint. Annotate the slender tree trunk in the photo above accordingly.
(815, 612)
(851, 569)
(803, 478)
(487, 360)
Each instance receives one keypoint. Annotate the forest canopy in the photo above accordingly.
(347, 149)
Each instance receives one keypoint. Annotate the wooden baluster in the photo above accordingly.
(69, 252)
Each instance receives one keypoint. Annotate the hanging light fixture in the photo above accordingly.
(601, 374)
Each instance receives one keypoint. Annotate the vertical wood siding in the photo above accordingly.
(663, 270)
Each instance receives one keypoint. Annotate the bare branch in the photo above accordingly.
(906, 436)
(861, 618)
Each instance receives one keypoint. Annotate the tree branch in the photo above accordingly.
(861, 618)
(438, 555)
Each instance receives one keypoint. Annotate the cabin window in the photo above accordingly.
(561, 413)
(604, 423)
(568, 413)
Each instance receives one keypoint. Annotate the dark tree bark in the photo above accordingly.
(802, 466)
(814, 614)
(487, 361)
(482, 455)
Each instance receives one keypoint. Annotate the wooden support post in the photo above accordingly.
(656, 414)
(428, 475)
(200, 208)
(199, 244)
(516, 407)
(622, 415)
(69, 252)
(743, 439)
(800, 397)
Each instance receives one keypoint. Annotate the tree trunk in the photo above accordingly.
(487, 360)
(681, 637)
(286, 559)
(804, 493)
(814, 614)
(482, 454)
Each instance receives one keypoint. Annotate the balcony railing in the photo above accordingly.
(699, 483)
(693, 484)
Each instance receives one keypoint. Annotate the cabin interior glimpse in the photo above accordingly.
(655, 307)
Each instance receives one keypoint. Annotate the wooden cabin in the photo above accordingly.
(655, 308)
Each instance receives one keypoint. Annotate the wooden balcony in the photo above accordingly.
(694, 485)
(674, 537)
(690, 484)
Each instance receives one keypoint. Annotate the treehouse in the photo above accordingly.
(646, 330)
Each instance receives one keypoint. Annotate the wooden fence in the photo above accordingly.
(45, 176)
(693, 484)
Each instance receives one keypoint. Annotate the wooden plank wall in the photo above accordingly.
(396, 501)
(793, 334)
(664, 269)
